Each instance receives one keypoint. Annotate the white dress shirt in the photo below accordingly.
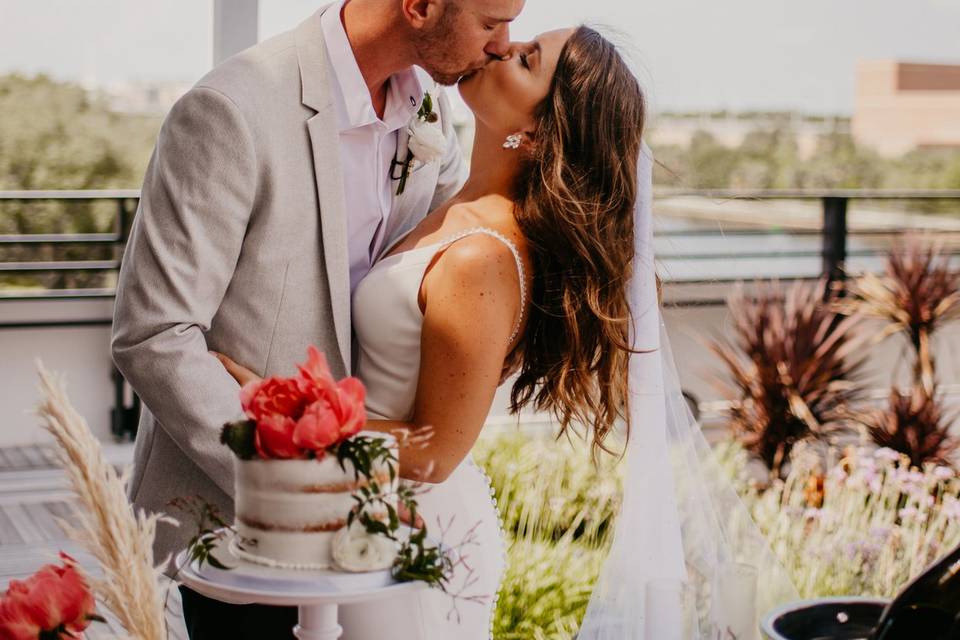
(368, 144)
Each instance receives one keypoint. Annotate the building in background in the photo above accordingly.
(903, 106)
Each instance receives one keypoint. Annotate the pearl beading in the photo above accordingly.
(234, 548)
(516, 256)
(503, 543)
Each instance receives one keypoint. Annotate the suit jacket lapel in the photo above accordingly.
(324, 140)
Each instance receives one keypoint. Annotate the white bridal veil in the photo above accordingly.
(687, 561)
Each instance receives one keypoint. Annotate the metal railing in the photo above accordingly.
(124, 203)
(123, 416)
(834, 234)
(834, 231)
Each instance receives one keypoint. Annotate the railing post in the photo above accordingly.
(834, 237)
(123, 419)
(124, 218)
(235, 27)
(116, 413)
(120, 229)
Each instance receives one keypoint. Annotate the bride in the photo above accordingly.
(539, 266)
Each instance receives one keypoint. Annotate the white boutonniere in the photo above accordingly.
(426, 142)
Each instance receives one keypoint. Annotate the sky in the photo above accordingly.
(690, 54)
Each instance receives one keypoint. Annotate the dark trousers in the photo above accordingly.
(209, 619)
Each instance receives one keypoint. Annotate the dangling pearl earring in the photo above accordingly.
(513, 141)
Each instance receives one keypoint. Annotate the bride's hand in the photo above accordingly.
(240, 373)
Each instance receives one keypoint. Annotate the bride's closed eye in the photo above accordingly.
(526, 57)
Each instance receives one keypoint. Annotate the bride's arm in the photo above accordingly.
(471, 301)
(472, 298)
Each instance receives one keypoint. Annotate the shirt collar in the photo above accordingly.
(353, 103)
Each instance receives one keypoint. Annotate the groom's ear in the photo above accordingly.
(422, 14)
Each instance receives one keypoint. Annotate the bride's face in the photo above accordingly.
(504, 94)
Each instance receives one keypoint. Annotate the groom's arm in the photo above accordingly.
(197, 196)
(453, 167)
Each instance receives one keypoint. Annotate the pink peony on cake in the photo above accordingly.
(302, 466)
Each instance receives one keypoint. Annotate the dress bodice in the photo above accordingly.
(388, 322)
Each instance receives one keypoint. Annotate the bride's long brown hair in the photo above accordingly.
(575, 204)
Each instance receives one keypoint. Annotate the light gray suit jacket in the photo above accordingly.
(240, 246)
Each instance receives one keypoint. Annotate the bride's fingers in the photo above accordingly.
(227, 363)
(240, 373)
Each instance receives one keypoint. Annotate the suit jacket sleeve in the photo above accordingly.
(184, 244)
(453, 168)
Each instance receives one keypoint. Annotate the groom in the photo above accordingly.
(271, 191)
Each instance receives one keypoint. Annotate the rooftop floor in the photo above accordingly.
(33, 495)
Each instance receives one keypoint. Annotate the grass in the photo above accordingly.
(557, 509)
(860, 521)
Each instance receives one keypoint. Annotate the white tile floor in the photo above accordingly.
(33, 494)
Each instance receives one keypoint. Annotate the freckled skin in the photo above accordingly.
(471, 303)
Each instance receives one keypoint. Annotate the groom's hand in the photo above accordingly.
(240, 373)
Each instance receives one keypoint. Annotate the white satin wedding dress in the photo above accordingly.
(388, 321)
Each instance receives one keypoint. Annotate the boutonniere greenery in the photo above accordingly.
(426, 142)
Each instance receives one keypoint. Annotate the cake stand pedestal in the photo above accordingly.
(317, 594)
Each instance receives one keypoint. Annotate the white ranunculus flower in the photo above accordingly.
(426, 141)
(354, 549)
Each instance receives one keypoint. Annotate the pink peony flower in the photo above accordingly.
(315, 381)
(272, 397)
(55, 601)
(332, 419)
(307, 413)
(317, 429)
(351, 396)
(274, 438)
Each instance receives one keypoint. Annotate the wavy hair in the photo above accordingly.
(575, 203)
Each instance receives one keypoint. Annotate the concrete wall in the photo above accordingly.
(82, 354)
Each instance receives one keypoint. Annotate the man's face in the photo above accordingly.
(467, 35)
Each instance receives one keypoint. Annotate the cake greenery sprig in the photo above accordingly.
(211, 530)
(311, 416)
(416, 559)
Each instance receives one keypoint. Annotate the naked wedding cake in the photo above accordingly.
(288, 512)
(311, 488)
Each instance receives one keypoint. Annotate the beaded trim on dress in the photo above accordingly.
(503, 541)
(516, 256)
(462, 234)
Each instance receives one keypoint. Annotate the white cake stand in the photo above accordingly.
(317, 594)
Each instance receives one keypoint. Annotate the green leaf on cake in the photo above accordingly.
(211, 530)
(239, 436)
(416, 558)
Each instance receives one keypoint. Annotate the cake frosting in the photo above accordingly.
(288, 511)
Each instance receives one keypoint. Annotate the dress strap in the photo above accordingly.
(516, 256)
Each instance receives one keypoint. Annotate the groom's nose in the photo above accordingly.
(498, 46)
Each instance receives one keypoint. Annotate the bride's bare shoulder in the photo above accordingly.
(476, 272)
(481, 264)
